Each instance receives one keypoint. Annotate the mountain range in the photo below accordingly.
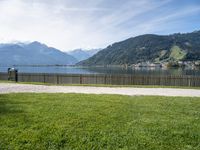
(144, 48)
(149, 47)
(36, 53)
(81, 54)
(33, 53)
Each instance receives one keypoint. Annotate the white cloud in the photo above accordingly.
(74, 23)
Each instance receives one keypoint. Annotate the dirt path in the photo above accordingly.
(29, 88)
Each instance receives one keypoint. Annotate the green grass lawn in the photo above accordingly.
(78, 121)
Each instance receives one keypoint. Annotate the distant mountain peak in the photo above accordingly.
(81, 54)
(196, 31)
(36, 43)
(34, 53)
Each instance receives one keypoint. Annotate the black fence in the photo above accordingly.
(181, 80)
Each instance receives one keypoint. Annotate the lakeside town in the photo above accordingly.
(177, 64)
(148, 64)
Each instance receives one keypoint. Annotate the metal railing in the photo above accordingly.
(168, 80)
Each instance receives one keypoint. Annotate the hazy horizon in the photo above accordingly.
(72, 24)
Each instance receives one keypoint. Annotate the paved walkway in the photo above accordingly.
(29, 88)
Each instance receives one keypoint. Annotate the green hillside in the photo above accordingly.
(153, 48)
(177, 53)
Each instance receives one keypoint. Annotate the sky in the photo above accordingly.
(87, 24)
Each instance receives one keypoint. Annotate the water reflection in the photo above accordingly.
(148, 71)
(106, 70)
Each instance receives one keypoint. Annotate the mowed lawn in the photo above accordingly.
(78, 121)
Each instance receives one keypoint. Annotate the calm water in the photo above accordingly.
(103, 70)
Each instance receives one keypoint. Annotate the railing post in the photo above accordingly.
(104, 79)
(16, 75)
(81, 82)
(44, 78)
(57, 78)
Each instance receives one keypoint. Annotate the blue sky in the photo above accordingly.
(71, 24)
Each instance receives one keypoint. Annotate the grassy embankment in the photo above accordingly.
(77, 121)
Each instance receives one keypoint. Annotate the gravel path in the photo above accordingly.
(29, 88)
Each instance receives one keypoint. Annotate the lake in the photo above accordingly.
(105, 70)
